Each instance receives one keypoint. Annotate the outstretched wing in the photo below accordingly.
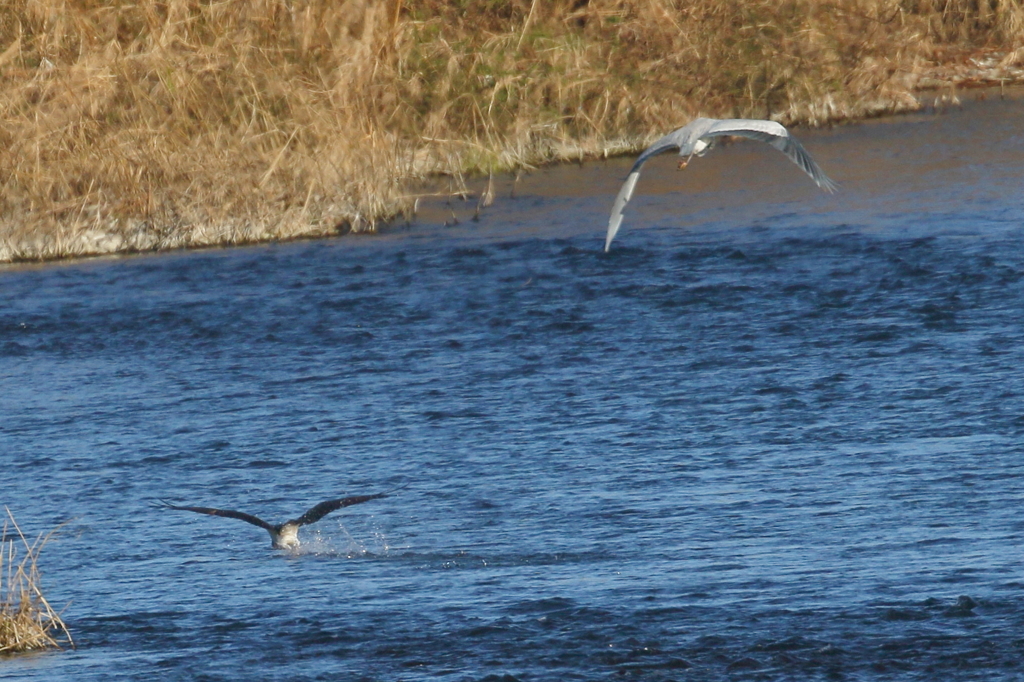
(231, 514)
(777, 136)
(324, 508)
(671, 141)
(615, 220)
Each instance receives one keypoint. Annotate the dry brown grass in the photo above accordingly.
(144, 125)
(27, 621)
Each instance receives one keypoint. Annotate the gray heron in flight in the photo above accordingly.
(283, 535)
(697, 137)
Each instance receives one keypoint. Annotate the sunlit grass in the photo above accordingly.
(27, 620)
(151, 125)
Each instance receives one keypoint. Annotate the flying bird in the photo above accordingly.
(697, 137)
(284, 535)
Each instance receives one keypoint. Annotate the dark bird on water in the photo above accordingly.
(284, 535)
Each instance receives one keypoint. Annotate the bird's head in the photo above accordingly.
(285, 536)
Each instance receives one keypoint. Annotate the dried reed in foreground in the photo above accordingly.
(143, 125)
(27, 621)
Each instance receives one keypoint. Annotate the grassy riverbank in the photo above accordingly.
(147, 125)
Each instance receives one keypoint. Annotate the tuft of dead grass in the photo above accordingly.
(133, 126)
(27, 620)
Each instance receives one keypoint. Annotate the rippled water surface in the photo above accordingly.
(773, 435)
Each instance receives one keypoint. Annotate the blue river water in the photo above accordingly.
(772, 435)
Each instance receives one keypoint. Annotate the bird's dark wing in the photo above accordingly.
(324, 508)
(248, 518)
(777, 136)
